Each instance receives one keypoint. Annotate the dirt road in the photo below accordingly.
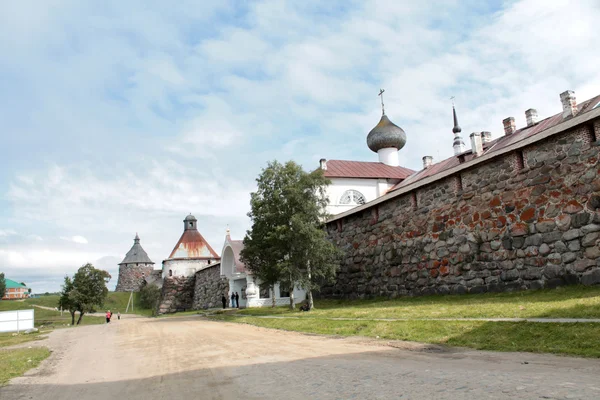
(191, 358)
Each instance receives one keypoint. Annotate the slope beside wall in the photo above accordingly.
(528, 219)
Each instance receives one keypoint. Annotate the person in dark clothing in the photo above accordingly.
(237, 299)
(224, 300)
(232, 300)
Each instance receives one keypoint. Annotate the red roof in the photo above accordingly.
(495, 145)
(364, 170)
(193, 245)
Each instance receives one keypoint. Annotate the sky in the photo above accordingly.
(123, 117)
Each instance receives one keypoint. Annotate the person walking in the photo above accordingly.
(118, 315)
(232, 300)
(237, 299)
(107, 316)
(224, 301)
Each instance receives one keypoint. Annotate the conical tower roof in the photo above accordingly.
(137, 254)
(191, 244)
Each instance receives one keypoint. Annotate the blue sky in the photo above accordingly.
(123, 117)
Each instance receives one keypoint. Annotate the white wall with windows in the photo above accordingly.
(347, 193)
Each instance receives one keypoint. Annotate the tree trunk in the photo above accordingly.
(311, 305)
(72, 317)
(292, 300)
(80, 317)
(274, 303)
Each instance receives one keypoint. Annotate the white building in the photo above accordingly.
(252, 293)
(191, 253)
(357, 182)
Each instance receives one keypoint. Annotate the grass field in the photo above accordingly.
(565, 302)
(15, 362)
(116, 301)
(579, 339)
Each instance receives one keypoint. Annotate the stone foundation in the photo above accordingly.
(525, 220)
(209, 288)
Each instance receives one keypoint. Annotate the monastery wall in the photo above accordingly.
(528, 219)
(209, 288)
(177, 294)
(131, 276)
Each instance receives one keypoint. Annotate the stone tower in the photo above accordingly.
(134, 268)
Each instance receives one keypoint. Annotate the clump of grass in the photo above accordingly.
(16, 362)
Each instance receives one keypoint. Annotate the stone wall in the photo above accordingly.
(131, 276)
(177, 294)
(528, 219)
(209, 288)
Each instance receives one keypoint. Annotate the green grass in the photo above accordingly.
(577, 339)
(580, 339)
(11, 339)
(16, 362)
(48, 318)
(565, 302)
(116, 301)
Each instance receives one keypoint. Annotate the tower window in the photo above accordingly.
(352, 197)
(170, 272)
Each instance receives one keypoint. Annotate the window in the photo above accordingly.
(283, 292)
(264, 292)
(352, 197)
(170, 272)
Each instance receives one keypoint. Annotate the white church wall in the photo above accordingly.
(369, 188)
(182, 267)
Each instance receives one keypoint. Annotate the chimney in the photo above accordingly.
(569, 103)
(476, 144)
(323, 163)
(531, 116)
(427, 162)
(509, 125)
(486, 137)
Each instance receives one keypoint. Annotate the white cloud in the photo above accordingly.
(75, 239)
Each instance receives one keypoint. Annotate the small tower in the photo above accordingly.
(134, 268)
(386, 139)
(459, 145)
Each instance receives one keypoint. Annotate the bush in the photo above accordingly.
(149, 296)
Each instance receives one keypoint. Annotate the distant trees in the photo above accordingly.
(149, 296)
(84, 292)
(287, 243)
(2, 285)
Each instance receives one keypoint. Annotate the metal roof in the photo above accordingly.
(192, 245)
(364, 170)
(136, 254)
(10, 284)
(495, 145)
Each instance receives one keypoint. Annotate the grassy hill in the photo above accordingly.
(116, 301)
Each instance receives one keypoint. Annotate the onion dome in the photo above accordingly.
(386, 135)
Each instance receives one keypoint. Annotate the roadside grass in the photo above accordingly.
(563, 302)
(15, 362)
(576, 339)
(11, 339)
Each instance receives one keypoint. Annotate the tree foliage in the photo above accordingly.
(149, 297)
(84, 292)
(287, 243)
(2, 285)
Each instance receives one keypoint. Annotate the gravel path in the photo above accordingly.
(192, 358)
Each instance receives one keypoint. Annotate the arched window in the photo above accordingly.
(352, 197)
(170, 272)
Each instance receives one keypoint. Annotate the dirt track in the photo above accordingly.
(190, 358)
